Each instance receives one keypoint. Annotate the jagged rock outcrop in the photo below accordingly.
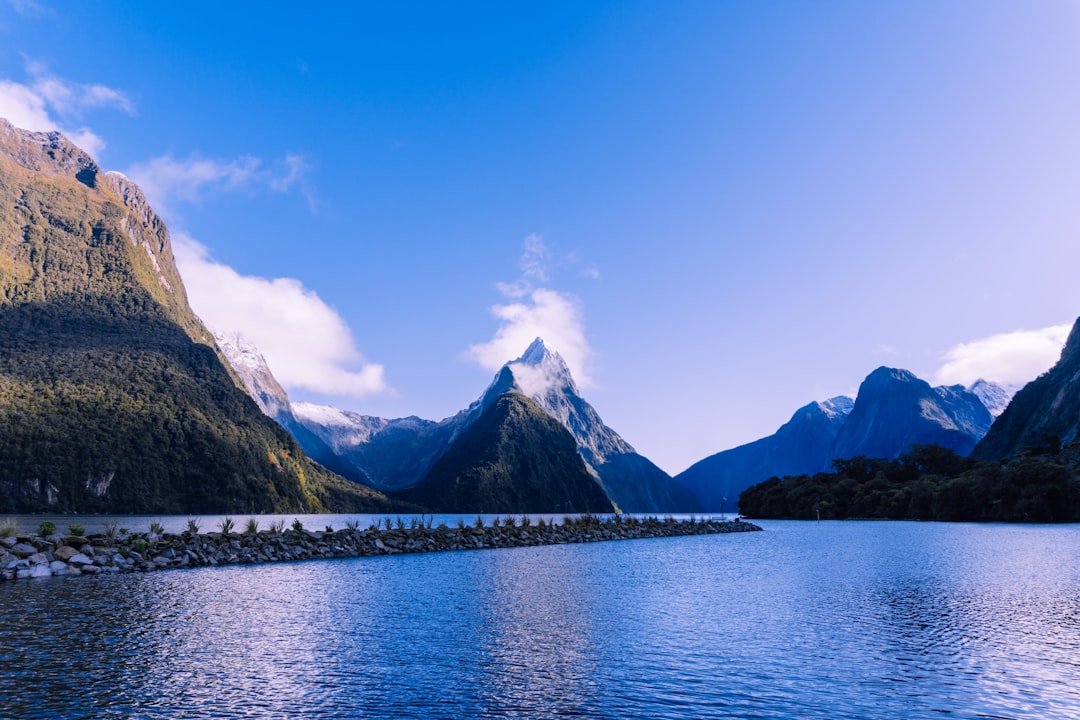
(113, 397)
(1044, 414)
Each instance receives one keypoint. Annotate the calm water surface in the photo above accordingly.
(806, 620)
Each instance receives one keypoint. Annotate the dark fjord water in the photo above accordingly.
(805, 620)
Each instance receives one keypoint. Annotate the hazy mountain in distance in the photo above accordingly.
(804, 444)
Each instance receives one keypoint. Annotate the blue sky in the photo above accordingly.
(717, 211)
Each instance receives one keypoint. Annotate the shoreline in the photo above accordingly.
(26, 556)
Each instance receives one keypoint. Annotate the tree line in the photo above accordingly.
(929, 482)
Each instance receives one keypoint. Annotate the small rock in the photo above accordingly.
(38, 559)
(79, 560)
(23, 550)
(65, 553)
(57, 565)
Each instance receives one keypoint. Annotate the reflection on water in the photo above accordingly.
(810, 620)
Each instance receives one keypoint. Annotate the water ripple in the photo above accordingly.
(811, 620)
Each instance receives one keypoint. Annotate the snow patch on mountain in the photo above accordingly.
(837, 408)
(541, 370)
(251, 367)
(995, 396)
(340, 429)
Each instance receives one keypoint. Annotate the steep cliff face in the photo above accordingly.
(1045, 412)
(255, 376)
(113, 397)
(802, 445)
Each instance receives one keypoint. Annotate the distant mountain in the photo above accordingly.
(250, 366)
(802, 445)
(895, 410)
(398, 454)
(514, 458)
(390, 454)
(254, 373)
(632, 481)
(996, 397)
(113, 397)
(1045, 413)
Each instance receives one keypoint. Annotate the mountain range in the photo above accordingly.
(893, 410)
(114, 397)
(398, 455)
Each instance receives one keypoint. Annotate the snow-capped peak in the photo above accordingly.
(837, 407)
(325, 415)
(536, 353)
(541, 370)
(994, 396)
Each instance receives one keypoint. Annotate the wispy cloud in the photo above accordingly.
(533, 312)
(306, 343)
(167, 179)
(1013, 357)
(50, 102)
(28, 8)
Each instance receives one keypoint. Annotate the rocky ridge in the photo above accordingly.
(56, 555)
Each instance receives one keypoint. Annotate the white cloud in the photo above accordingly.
(167, 179)
(1014, 357)
(50, 102)
(297, 169)
(305, 342)
(535, 260)
(535, 312)
(23, 107)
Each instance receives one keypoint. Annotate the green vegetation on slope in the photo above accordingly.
(928, 483)
(107, 402)
(514, 458)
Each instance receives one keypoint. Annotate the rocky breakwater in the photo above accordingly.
(45, 556)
